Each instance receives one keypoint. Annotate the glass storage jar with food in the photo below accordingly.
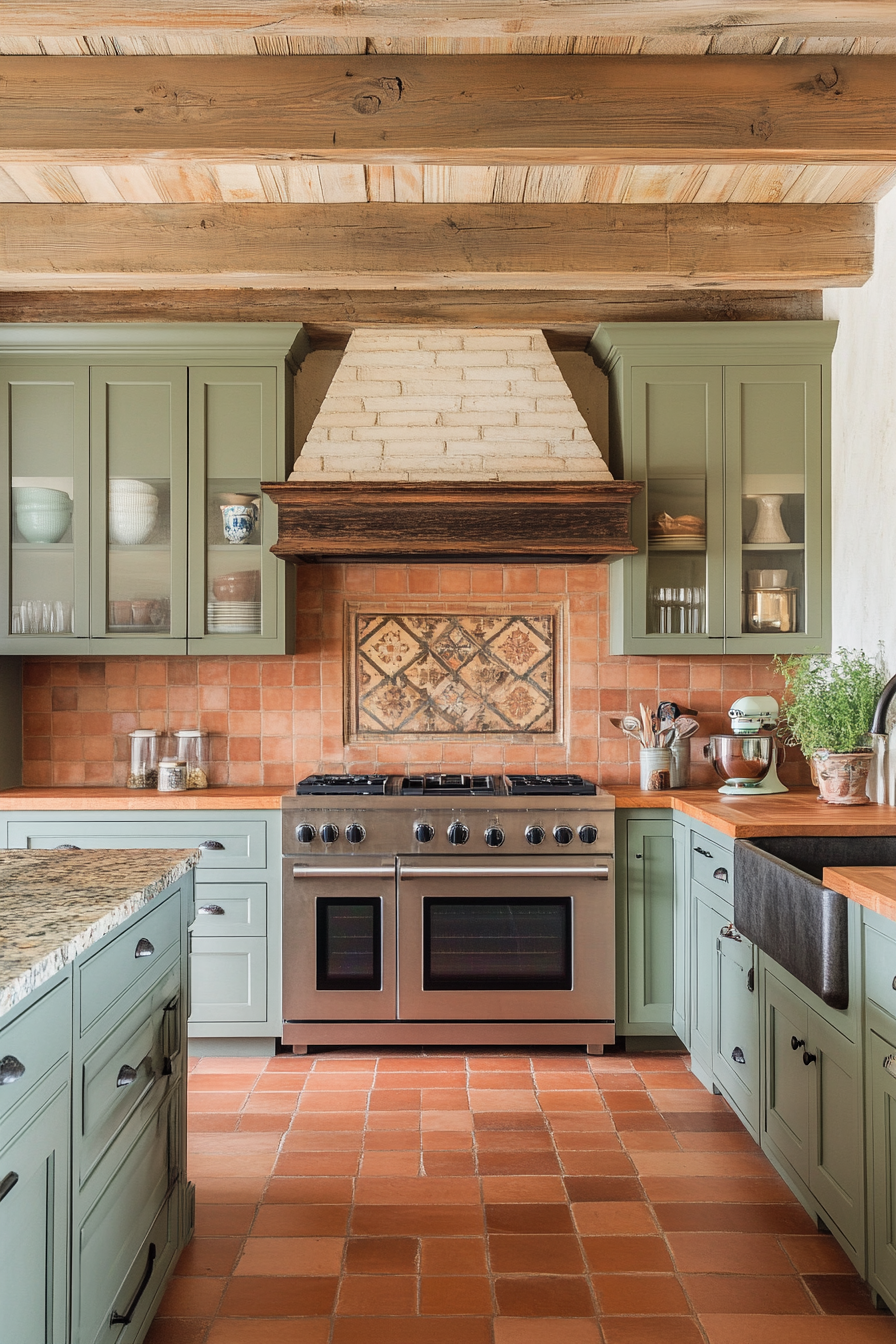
(143, 770)
(191, 745)
(172, 775)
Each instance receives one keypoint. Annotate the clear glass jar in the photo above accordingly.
(172, 775)
(191, 745)
(144, 755)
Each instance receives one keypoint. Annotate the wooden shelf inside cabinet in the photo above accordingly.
(43, 547)
(773, 546)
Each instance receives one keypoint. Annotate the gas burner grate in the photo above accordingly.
(547, 785)
(447, 786)
(334, 784)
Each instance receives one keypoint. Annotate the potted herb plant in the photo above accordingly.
(828, 707)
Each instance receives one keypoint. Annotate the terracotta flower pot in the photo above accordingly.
(843, 776)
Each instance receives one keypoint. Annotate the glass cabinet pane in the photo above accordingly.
(676, 556)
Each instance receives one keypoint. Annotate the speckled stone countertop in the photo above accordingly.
(54, 905)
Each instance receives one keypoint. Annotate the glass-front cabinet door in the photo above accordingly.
(44, 513)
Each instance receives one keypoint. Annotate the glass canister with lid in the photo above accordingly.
(192, 746)
(143, 772)
(172, 775)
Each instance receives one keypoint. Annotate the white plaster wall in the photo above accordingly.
(863, 449)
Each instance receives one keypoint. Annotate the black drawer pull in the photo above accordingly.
(211, 910)
(751, 980)
(210, 844)
(77, 847)
(808, 1059)
(721, 874)
(795, 1044)
(890, 1065)
(738, 1055)
(705, 852)
(9, 1182)
(117, 1317)
(127, 1074)
(144, 948)
(11, 1070)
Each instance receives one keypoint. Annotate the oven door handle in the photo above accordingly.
(600, 872)
(298, 870)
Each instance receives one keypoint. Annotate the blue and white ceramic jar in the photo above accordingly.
(240, 521)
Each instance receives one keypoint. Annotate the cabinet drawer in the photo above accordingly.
(234, 844)
(232, 910)
(229, 979)
(713, 865)
(31, 1045)
(880, 970)
(136, 956)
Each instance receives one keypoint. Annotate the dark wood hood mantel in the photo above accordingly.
(457, 521)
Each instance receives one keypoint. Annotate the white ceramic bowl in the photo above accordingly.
(131, 524)
(126, 487)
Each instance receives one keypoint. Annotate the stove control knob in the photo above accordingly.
(423, 832)
(329, 833)
(458, 833)
(535, 835)
(355, 833)
(305, 833)
(494, 837)
(562, 834)
(587, 834)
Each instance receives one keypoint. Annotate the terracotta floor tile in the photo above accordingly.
(667, 1060)
(395, 1099)
(395, 1120)
(719, 1121)
(702, 1189)
(197, 1296)
(447, 1296)
(622, 1082)
(456, 1140)
(508, 1120)
(279, 1297)
(295, 1256)
(416, 1190)
(534, 1254)
(544, 1295)
(689, 1099)
(392, 1141)
(523, 1190)
(412, 1330)
(453, 1256)
(301, 1220)
(230, 1189)
(816, 1255)
(309, 1190)
(714, 1141)
(627, 1255)
(318, 1164)
(381, 1255)
(224, 1220)
(209, 1255)
(201, 1165)
(216, 1101)
(840, 1294)
(724, 1329)
(590, 1189)
(652, 1330)
(333, 1101)
(600, 1122)
(509, 1099)
(627, 1101)
(377, 1295)
(172, 1330)
(769, 1295)
(420, 1064)
(537, 1218)
(217, 1082)
(570, 1101)
(515, 1080)
(292, 1064)
(257, 1121)
(783, 1218)
(405, 1163)
(591, 1140)
(656, 1081)
(702, 1164)
(546, 1330)
(562, 1082)
(262, 1102)
(649, 1141)
(311, 1330)
(640, 1295)
(429, 1078)
(631, 1121)
(443, 1099)
(498, 1064)
(319, 1141)
(728, 1253)
(525, 1163)
(335, 1121)
(607, 1218)
(416, 1220)
(583, 1162)
(445, 1120)
(437, 1163)
(209, 1122)
(328, 1082)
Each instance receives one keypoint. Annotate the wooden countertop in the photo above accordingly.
(875, 888)
(101, 799)
(794, 813)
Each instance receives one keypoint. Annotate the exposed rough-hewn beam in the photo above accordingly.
(435, 246)
(458, 18)
(450, 109)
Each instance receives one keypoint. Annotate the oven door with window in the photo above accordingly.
(338, 941)
(516, 940)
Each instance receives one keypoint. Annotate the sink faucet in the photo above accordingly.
(882, 775)
(879, 722)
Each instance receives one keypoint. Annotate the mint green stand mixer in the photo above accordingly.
(746, 759)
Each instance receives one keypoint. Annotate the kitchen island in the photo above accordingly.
(95, 1206)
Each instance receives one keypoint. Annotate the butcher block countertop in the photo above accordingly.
(875, 888)
(103, 799)
(794, 813)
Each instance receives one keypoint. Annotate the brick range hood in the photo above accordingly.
(450, 444)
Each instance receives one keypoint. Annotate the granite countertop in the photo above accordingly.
(102, 798)
(794, 813)
(54, 905)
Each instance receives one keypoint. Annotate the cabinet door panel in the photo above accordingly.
(736, 1057)
(836, 1169)
(703, 972)
(681, 957)
(882, 1165)
(787, 1079)
(228, 980)
(649, 922)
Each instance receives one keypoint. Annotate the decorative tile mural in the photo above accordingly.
(452, 674)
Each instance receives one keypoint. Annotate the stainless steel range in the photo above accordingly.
(442, 909)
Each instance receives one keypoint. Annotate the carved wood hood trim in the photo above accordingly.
(453, 521)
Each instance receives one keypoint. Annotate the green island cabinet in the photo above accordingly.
(95, 1206)
(235, 943)
(879, 949)
(728, 426)
(120, 447)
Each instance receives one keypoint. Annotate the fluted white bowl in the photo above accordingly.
(131, 524)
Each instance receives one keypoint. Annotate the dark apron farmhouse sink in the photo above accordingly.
(781, 905)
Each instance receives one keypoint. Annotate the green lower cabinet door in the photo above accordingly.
(836, 1168)
(228, 980)
(882, 1168)
(34, 1204)
(649, 926)
(681, 940)
(735, 1063)
(787, 1080)
(705, 922)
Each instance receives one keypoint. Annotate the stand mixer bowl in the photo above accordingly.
(740, 760)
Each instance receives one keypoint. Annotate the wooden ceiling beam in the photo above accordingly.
(470, 110)
(387, 246)
(453, 18)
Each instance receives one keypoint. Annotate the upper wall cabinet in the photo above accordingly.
(131, 458)
(728, 426)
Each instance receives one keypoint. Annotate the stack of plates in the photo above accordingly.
(688, 542)
(234, 618)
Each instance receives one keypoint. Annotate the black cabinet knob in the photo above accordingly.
(458, 833)
(305, 833)
(808, 1059)
(355, 833)
(423, 832)
(795, 1044)
(494, 837)
(563, 835)
(535, 835)
(329, 833)
(587, 834)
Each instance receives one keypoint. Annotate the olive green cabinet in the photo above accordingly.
(728, 426)
(644, 923)
(121, 447)
(880, 1100)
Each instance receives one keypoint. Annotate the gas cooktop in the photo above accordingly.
(447, 786)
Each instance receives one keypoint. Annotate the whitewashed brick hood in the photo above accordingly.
(434, 404)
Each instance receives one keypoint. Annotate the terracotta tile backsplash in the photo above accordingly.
(274, 719)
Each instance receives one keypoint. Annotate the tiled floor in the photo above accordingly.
(414, 1198)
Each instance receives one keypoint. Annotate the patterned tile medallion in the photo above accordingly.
(452, 674)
